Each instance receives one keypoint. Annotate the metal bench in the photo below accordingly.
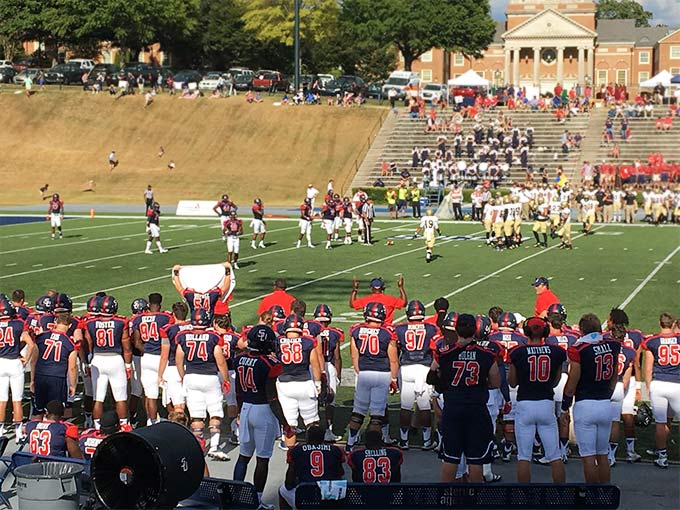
(472, 496)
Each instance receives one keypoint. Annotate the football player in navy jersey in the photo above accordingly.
(89, 439)
(535, 369)
(168, 376)
(146, 334)
(108, 340)
(261, 416)
(306, 216)
(19, 303)
(204, 300)
(662, 375)
(55, 213)
(54, 368)
(199, 358)
(14, 335)
(376, 462)
(632, 340)
(153, 228)
(298, 386)
(592, 377)
(415, 346)
(508, 337)
(233, 229)
(373, 348)
(328, 214)
(137, 307)
(329, 340)
(310, 462)
(562, 337)
(43, 305)
(624, 373)
(93, 309)
(464, 373)
(347, 214)
(231, 344)
(52, 436)
(223, 208)
(258, 224)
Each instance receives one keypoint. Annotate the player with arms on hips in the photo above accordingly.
(463, 373)
(153, 228)
(373, 348)
(306, 215)
(199, 358)
(108, 340)
(15, 335)
(258, 224)
(329, 340)
(223, 208)
(328, 214)
(592, 378)
(146, 335)
(429, 225)
(233, 229)
(257, 370)
(205, 300)
(535, 369)
(55, 213)
(310, 462)
(662, 375)
(415, 344)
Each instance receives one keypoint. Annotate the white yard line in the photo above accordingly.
(644, 282)
(45, 232)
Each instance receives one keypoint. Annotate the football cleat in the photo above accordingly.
(147, 252)
(163, 250)
(235, 265)
(233, 439)
(253, 245)
(429, 445)
(330, 437)
(282, 445)
(218, 455)
(633, 457)
(261, 245)
(661, 461)
(403, 444)
(494, 478)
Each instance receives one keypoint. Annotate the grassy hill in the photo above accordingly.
(217, 145)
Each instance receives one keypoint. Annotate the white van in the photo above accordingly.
(399, 81)
(85, 63)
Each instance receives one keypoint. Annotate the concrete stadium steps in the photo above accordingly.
(398, 137)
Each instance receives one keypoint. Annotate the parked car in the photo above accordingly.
(270, 80)
(149, 72)
(237, 71)
(211, 81)
(65, 74)
(22, 63)
(21, 77)
(346, 83)
(324, 79)
(84, 63)
(5, 63)
(243, 82)
(401, 82)
(375, 90)
(434, 91)
(187, 77)
(7, 74)
(109, 72)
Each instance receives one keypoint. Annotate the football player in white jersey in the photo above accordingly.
(429, 225)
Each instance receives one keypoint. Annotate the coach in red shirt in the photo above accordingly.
(278, 297)
(544, 296)
(378, 295)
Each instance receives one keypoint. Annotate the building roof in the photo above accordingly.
(498, 34)
(615, 30)
(649, 36)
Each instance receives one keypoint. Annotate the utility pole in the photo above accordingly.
(296, 31)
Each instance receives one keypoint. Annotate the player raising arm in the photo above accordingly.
(204, 300)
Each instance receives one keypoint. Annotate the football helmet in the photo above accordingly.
(643, 416)
(225, 197)
(483, 327)
(232, 213)
(7, 310)
(94, 305)
(261, 339)
(415, 310)
(44, 304)
(507, 320)
(257, 201)
(323, 313)
(375, 312)
(450, 321)
(109, 305)
(277, 312)
(200, 318)
(62, 303)
(326, 396)
(308, 201)
(139, 305)
(293, 323)
(559, 309)
(55, 196)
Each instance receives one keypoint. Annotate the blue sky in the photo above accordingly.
(663, 10)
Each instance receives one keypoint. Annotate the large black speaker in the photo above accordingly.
(153, 467)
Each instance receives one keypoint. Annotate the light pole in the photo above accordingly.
(296, 31)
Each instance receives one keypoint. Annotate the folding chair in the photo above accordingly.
(7, 461)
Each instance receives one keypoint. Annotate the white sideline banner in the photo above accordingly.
(195, 208)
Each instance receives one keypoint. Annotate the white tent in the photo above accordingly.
(469, 79)
(663, 78)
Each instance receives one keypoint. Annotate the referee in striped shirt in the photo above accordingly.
(368, 215)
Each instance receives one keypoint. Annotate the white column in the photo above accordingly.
(581, 66)
(591, 64)
(506, 69)
(537, 61)
(515, 67)
(560, 65)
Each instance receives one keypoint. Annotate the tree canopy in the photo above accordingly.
(624, 9)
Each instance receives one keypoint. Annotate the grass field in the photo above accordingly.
(633, 266)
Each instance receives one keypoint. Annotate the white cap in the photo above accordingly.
(519, 317)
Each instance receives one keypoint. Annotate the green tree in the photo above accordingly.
(623, 9)
(416, 27)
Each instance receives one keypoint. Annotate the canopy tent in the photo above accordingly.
(663, 78)
(676, 80)
(469, 79)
